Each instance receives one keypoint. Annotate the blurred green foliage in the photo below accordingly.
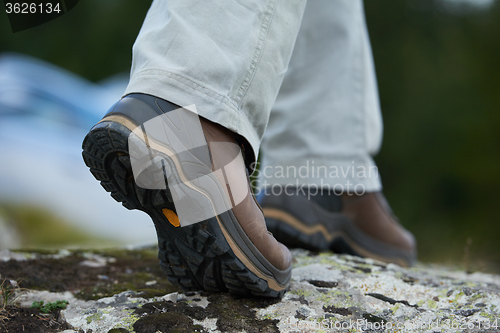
(439, 81)
(40, 228)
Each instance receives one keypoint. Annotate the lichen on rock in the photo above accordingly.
(127, 292)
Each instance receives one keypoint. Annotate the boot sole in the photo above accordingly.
(213, 255)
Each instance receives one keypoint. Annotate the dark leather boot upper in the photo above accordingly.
(365, 222)
(247, 212)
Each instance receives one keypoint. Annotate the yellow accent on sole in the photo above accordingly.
(171, 217)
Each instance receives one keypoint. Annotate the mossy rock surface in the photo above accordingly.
(120, 291)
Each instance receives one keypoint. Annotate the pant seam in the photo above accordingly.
(264, 30)
(359, 89)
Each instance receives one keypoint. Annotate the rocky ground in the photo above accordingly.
(125, 291)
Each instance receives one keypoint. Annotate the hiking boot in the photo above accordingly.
(322, 220)
(190, 177)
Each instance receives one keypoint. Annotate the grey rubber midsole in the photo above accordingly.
(248, 248)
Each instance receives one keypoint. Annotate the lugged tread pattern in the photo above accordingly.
(193, 257)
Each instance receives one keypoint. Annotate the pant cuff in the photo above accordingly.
(209, 104)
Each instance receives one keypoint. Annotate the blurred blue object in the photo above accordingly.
(45, 112)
